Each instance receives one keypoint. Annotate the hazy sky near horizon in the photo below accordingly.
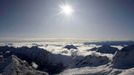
(93, 19)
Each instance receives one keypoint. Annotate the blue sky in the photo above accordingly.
(92, 19)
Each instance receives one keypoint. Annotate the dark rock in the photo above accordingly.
(124, 58)
(107, 49)
(34, 54)
(70, 47)
(93, 60)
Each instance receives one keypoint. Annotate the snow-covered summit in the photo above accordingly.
(15, 66)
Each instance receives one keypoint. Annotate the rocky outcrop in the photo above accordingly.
(93, 60)
(70, 47)
(15, 66)
(41, 57)
(124, 58)
(107, 49)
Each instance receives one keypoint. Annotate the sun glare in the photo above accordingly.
(66, 9)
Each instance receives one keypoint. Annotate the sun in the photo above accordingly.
(66, 9)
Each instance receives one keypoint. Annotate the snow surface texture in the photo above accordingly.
(15, 66)
(44, 59)
(81, 60)
(93, 60)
